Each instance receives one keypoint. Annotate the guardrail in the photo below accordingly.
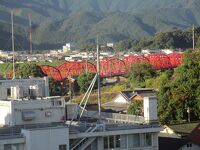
(115, 117)
(10, 136)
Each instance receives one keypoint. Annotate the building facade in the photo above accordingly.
(48, 123)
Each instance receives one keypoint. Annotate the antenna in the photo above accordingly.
(13, 44)
(98, 81)
(30, 32)
(193, 36)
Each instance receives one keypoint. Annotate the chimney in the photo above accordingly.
(150, 109)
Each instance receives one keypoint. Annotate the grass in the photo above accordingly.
(6, 68)
(108, 93)
(105, 97)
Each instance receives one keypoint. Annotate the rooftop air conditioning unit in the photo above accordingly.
(33, 91)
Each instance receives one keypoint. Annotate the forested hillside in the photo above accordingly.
(79, 21)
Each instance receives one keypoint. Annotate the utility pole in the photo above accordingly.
(30, 33)
(98, 81)
(86, 67)
(193, 36)
(188, 111)
(13, 44)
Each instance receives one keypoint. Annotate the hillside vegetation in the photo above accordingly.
(78, 21)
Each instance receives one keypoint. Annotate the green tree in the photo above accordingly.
(186, 86)
(28, 69)
(139, 72)
(55, 87)
(180, 92)
(88, 47)
(165, 113)
(135, 108)
(84, 80)
(123, 45)
(198, 42)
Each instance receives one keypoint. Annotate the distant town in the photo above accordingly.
(70, 53)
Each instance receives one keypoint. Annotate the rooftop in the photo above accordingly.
(184, 129)
(144, 92)
(77, 128)
(195, 135)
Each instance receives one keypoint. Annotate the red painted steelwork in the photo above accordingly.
(175, 59)
(51, 72)
(112, 67)
(132, 59)
(74, 68)
(159, 61)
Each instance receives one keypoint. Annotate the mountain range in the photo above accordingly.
(80, 21)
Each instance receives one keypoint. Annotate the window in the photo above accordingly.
(63, 147)
(105, 141)
(28, 115)
(123, 141)
(111, 141)
(48, 114)
(7, 147)
(117, 141)
(133, 140)
(9, 92)
(148, 140)
(56, 103)
(189, 145)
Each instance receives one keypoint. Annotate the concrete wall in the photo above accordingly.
(72, 111)
(150, 109)
(43, 86)
(46, 139)
(41, 111)
(44, 110)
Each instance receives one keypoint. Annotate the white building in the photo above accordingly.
(110, 44)
(167, 51)
(68, 47)
(38, 123)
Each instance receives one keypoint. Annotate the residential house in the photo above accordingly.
(122, 101)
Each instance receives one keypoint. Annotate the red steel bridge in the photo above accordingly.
(111, 66)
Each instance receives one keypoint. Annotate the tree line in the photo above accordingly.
(178, 89)
(174, 39)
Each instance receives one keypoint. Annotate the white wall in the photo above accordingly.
(120, 99)
(46, 139)
(5, 112)
(167, 132)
